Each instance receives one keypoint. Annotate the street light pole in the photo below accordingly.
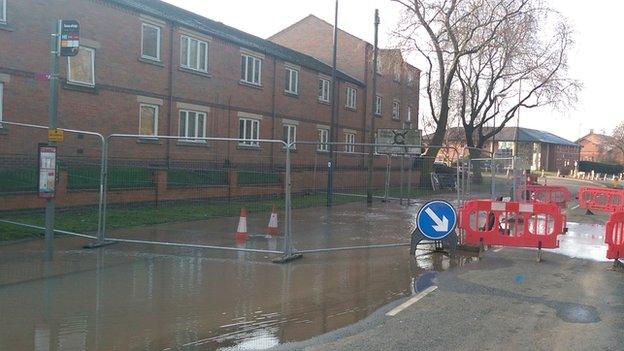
(369, 185)
(332, 130)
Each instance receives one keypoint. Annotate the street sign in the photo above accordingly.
(47, 171)
(436, 219)
(56, 135)
(396, 139)
(69, 37)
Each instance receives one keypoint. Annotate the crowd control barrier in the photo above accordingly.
(558, 195)
(513, 224)
(601, 199)
(614, 236)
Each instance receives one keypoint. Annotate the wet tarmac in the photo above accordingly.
(145, 297)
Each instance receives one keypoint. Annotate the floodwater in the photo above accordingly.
(583, 241)
(146, 297)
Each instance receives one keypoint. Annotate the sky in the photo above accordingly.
(595, 60)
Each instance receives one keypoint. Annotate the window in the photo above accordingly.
(351, 97)
(410, 79)
(378, 105)
(292, 81)
(323, 139)
(290, 134)
(378, 68)
(1, 98)
(148, 120)
(249, 130)
(193, 54)
(150, 42)
(251, 69)
(350, 140)
(3, 11)
(81, 67)
(396, 109)
(193, 125)
(323, 90)
(409, 113)
(397, 74)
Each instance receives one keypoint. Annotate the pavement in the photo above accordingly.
(505, 301)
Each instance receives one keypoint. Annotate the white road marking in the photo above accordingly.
(498, 249)
(575, 207)
(411, 301)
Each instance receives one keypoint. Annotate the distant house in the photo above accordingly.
(542, 150)
(597, 147)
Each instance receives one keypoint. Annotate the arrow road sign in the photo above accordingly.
(436, 219)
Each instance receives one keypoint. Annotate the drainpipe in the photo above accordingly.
(170, 114)
(274, 106)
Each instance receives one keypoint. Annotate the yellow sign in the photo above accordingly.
(56, 135)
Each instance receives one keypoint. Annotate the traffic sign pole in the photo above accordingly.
(52, 121)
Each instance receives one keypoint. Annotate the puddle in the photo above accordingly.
(159, 298)
(584, 241)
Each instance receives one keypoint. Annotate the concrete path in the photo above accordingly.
(506, 301)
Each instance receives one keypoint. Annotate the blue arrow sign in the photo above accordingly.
(436, 219)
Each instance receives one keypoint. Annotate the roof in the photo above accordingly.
(207, 26)
(598, 139)
(509, 134)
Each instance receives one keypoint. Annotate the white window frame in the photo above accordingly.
(287, 127)
(198, 114)
(324, 90)
(409, 113)
(351, 98)
(396, 75)
(143, 55)
(156, 118)
(323, 145)
(292, 74)
(1, 101)
(76, 82)
(378, 105)
(245, 73)
(396, 109)
(253, 141)
(189, 41)
(3, 13)
(349, 142)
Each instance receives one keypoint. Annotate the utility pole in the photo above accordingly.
(332, 130)
(52, 121)
(371, 156)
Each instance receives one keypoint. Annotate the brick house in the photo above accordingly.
(153, 69)
(598, 147)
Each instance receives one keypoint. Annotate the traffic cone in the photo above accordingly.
(273, 228)
(241, 232)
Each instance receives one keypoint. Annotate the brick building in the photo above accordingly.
(543, 150)
(599, 147)
(150, 68)
(398, 81)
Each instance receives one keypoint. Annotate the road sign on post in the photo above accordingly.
(436, 219)
(47, 171)
(69, 40)
(396, 139)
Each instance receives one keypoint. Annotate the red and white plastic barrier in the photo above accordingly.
(614, 236)
(558, 195)
(601, 199)
(512, 224)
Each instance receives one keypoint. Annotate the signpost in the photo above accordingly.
(396, 139)
(64, 41)
(436, 221)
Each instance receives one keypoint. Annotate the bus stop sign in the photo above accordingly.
(69, 38)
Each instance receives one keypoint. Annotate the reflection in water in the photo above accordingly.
(126, 297)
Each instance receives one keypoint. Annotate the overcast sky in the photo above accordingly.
(596, 60)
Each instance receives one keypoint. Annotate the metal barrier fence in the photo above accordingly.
(188, 192)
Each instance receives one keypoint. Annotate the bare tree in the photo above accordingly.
(617, 141)
(444, 32)
(522, 67)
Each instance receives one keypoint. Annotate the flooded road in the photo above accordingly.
(140, 297)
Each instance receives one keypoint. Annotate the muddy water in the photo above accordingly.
(131, 297)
